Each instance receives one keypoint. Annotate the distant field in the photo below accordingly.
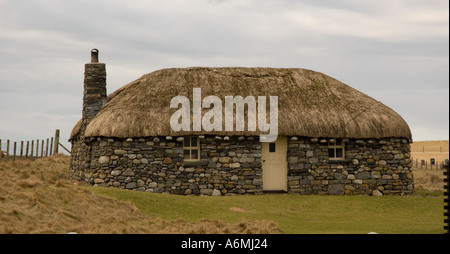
(429, 179)
(430, 146)
(425, 150)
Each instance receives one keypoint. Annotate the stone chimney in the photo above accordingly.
(94, 95)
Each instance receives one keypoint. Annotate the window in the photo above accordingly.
(336, 149)
(191, 148)
(271, 147)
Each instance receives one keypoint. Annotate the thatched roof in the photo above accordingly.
(310, 104)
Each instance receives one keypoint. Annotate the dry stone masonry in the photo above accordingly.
(372, 167)
(156, 165)
(232, 165)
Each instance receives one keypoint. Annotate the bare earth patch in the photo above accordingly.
(237, 209)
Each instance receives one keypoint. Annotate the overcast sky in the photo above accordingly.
(396, 51)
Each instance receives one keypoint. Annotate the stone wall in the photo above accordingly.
(372, 167)
(232, 165)
(156, 164)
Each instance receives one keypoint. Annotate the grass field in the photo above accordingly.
(35, 197)
(297, 214)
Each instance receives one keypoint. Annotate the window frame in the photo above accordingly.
(191, 148)
(338, 144)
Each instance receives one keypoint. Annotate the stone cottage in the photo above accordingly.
(332, 139)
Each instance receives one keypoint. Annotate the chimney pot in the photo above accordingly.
(94, 56)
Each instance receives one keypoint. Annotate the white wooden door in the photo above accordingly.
(274, 165)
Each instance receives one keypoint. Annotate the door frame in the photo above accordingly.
(281, 146)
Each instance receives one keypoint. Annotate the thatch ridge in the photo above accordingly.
(310, 103)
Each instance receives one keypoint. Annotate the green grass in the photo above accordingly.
(297, 214)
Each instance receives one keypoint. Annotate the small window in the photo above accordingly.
(271, 147)
(191, 146)
(336, 150)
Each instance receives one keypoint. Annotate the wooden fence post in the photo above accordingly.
(7, 147)
(42, 148)
(51, 146)
(21, 149)
(14, 152)
(37, 148)
(32, 148)
(67, 150)
(56, 142)
(26, 152)
(46, 148)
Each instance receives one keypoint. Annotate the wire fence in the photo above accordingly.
(30, 149)
(429, 164)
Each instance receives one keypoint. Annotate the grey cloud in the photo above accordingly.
(387, 51)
